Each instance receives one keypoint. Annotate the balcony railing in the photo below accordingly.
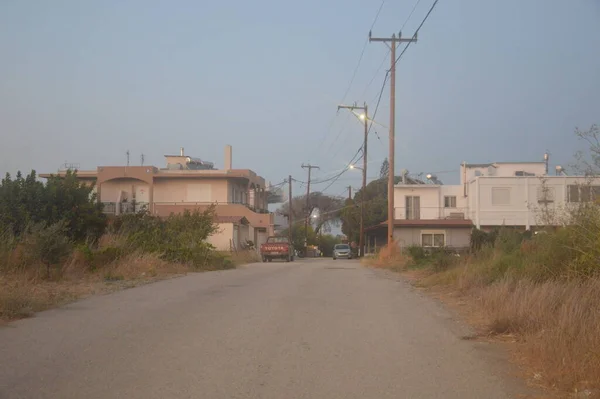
(252, 208)
(430, 213)
(121, 208)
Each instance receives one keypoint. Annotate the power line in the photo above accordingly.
(385, 57)
(361, 54)
(351, 80)
(417, 31)
(410, 15)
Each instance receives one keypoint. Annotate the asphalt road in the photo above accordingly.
(308, 329)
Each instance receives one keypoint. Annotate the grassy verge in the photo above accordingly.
(25, 292)
(543, 293)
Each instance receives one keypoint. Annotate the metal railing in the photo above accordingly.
(432, 212)
(250, 207)
(121, 208)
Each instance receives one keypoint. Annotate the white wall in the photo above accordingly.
(455, 237)
(429, 200)
(525, 206)
(503, 169)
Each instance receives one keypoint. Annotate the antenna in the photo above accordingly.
(127, 153)
(142, 159)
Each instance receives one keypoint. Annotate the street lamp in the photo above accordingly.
(365, 119)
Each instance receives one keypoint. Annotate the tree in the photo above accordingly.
(329, 208)
(589, 161)
(375, 206)
(27, 201)
(49, 244)
(385, 169)
(326, 242)
(299, 235)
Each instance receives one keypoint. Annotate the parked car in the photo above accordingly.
(277, 248)
(341, 251)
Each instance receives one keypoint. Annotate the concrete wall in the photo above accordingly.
(503, 170)
(264, 220)
(221, 239)
(456, 237)
(525, 205)
(429, 200)
(118, 189)
(175, 190)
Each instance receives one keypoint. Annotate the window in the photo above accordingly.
(342, 246)
(578, 193)
(433, 240)
(545, 195)
(500, 195)
(450, 201)
(413, 208)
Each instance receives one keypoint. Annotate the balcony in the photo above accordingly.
(123, 208)
(256, 217)
(431, 213)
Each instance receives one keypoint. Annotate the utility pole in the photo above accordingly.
(310, 168)
(349, 192)
(393, 43)
(365, 118)
(290, 217)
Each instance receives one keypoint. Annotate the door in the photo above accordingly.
(261, 237)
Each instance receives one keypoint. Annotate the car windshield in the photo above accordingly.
(277, 239)
(342, 246)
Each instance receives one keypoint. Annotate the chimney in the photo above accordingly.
(228, 156)
(181, 151)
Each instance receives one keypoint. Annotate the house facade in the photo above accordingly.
(240, 196)
(519, 195)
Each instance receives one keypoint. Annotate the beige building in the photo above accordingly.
(240, 195)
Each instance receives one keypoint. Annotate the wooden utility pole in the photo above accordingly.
(310, 168)
(393, 43)
(365, 118)
(349, 192)
(290, 217)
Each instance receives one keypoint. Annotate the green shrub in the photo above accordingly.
(48, 244)
(178, 238)
(417, 253)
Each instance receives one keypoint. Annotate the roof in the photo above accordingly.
(485, 165)
(465, 223)
(231, 219)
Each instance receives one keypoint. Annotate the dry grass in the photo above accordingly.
(244, 257)
(389, 258)
(26, 291)
(558, 323)
(21, 295)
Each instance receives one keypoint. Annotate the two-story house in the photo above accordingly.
(239, 195)
(520, 195)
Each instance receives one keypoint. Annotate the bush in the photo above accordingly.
(417, 253)
(179, 238)
(26, 201)
(48, 245)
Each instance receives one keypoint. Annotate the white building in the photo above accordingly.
(519, 195)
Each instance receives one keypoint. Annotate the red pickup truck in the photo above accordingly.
(277, 248)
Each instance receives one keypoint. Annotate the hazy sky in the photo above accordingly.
(85, 81)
